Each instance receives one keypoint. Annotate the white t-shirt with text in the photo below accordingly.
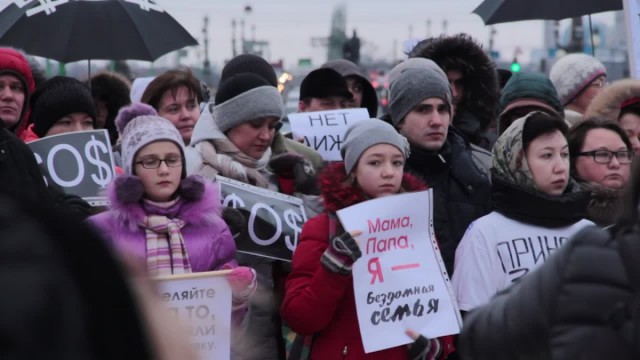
(496, 251)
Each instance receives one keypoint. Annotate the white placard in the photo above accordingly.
(323, 131)
(632, 18)
(203, 301)
(400, 282)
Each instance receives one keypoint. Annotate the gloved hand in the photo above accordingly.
(243, 283)
(292, 165)
(234, 219)
(342, 252)
(77, 206)
(423, 348)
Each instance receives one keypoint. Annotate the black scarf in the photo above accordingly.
(536, 208)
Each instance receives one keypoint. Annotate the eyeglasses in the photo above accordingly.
(599, 83)
(605, 156)
(154, 163)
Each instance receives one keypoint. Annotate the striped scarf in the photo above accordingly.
(166, 252)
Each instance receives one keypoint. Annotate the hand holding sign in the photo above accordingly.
(323, 131)
(342, 252)
(400, 282)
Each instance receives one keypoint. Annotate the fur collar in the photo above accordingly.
(481, 92)
(604, 204)
(339, 193)
(199, 203)
(607, 104)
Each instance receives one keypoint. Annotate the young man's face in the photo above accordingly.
(323, 104)
(427, 124)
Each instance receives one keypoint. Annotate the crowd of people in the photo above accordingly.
(532, 191)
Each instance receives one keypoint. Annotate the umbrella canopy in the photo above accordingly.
(81, 30)
(501, 11)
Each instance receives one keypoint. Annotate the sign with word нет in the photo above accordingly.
(203, 302)
(400, 282)
(323, 131)
(79, 163)
(274, 220)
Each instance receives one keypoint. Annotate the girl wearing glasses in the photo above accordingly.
(537, 208)
(601, 156)
(159, 216)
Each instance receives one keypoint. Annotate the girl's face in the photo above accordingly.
(379, 170)
(548, 158)
(159, 166)
(254, 137)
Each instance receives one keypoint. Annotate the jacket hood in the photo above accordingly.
(206, 127)
(480, 77)
(199, 204)
(607, 104)
(347, 68)
(339, 193)
(13, 62)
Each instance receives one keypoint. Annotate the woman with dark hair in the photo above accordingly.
(601, 156)
(537, 207)
(581, 304)
(110, 92)
(176, 96)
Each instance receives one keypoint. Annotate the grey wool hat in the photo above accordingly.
(244, 97)
(365, 134)
(412, 86)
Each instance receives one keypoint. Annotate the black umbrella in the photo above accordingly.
(69, 31)
(501, 11)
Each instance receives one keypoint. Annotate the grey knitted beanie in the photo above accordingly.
(412, 86)
(365, 134)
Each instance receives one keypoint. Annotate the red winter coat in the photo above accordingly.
(318, 301)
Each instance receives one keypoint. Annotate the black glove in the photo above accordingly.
(76, 205)
(342, 252)
(292, 165)
(234, 219)
(425, 349)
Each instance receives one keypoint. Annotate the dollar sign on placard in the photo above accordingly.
(104, 175)
(235, 201)
(292, 218)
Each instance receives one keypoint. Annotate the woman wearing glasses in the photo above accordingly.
(159, 216)
(537, 208)
(601, 154)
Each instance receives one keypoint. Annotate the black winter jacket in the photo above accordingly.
(462, 191)
(560, 311)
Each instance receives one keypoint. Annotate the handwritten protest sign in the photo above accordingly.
(400, 282)
(274, 220)
(324, 131)
(80, 163)
(632, 17)
(203, 301)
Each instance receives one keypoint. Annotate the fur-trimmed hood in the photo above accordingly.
(461, 51)
(199, 202)
(604, 204)
(339, 193)
(607, 104)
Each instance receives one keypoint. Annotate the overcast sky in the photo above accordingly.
(290, 24)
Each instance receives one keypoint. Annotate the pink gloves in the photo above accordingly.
(243, 283)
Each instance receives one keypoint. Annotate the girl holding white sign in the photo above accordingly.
(319, 297)
(165, 219)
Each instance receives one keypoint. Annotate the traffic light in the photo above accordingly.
(515, 66)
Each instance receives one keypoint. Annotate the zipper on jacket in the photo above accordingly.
(345, 351)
